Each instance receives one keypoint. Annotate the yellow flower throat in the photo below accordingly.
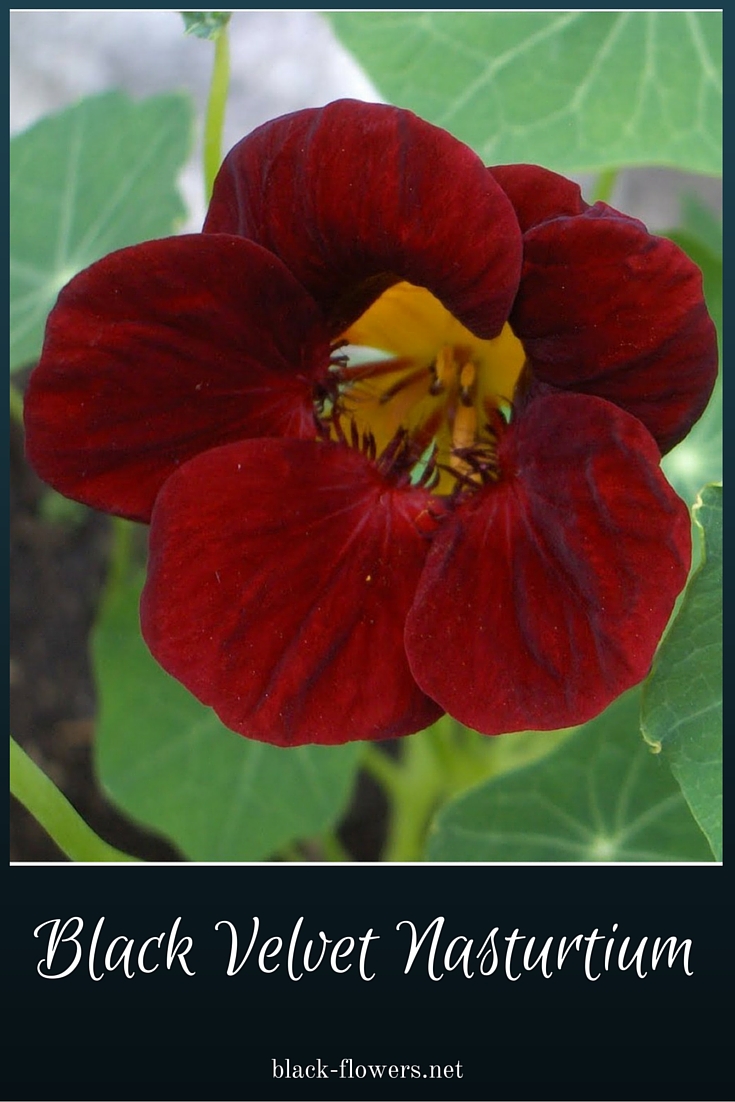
(437, 398)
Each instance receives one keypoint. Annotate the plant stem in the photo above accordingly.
(385, 771)
(41, 797)
(415, 797)
(333, 848)
(215, 120)
(438, 764)
(605, 186)
(120, 556)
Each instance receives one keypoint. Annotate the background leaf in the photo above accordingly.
(601, 796)
(701, 223)
(574, 91)
(682, 698)
(169, 763)
(91, 179)
(698, 459)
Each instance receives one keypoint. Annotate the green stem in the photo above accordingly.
(438, 764)
(215, 120)
(385, 771)
(333, 848)
(120, 556)
(415, 797)
(41, 797)
(605, 186)
(16, 404)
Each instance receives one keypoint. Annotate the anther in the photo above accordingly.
(467, 377)
(436, 386)
(444, 369)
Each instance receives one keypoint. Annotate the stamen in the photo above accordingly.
(392, 458)
(443, 369)
(429, 477)
(431, 424)
(336, 423)
(467, 377)
(464, 429)
(425, 433)
(406, 462)
(473, 467)
(468, 482)
(405, 380)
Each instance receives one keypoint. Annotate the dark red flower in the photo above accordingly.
(473, 521)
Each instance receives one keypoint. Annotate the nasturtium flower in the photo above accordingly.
(469, 517)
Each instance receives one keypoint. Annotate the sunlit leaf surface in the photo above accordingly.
(91, 179)
(575, 91)
(698, 459)
(682, 699)
(601, 796)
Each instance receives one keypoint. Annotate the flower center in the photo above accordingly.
(420, 393)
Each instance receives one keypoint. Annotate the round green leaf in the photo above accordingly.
(91, 179)
(575, 91)
(698, 459)
(169, 763)
(601, 796)
(682, 698)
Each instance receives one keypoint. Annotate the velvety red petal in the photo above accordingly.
(280, 575)
(606, 308)
(161, 351)
(354, 197)
(546, 595)
(537, 194)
